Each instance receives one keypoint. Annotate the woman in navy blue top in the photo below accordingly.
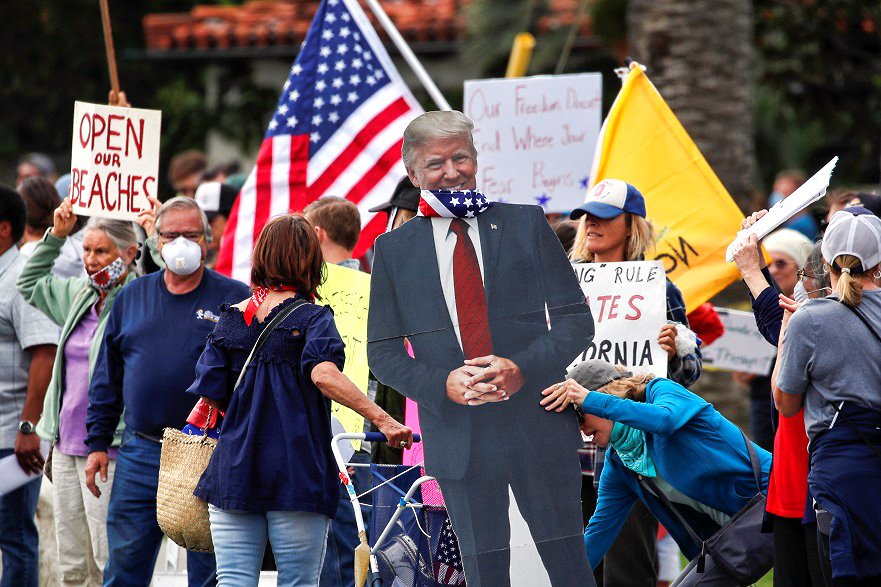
(272, 474)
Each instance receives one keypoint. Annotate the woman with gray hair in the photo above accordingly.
(80, 306)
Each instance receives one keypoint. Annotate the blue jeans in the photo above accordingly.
(298, 541)
(19, 541)
(133, 535)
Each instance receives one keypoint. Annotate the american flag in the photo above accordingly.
(447, 559)
(337, 130)
(452, 203)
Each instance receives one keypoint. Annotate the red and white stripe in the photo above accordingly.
(360, 162)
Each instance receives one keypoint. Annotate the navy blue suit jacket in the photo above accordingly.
(525, 269)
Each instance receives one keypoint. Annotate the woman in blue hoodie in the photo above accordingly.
(661, 431)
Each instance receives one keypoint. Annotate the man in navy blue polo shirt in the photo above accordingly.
(155, 333)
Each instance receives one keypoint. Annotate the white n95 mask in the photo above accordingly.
(182, 256)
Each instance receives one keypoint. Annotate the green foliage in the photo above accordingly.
(53, 54)
(818, 82)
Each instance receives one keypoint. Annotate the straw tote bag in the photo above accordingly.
(182, 516)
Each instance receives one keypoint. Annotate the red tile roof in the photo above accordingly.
(281, 23)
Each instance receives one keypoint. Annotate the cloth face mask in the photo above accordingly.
(106, 279)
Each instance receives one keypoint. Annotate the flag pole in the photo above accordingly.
(408, 55)
(108, 46)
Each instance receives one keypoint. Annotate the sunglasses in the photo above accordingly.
(802, 275)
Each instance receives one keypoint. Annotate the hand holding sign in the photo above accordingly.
(809, 192)
(147, 217)
(64, 219)
(114, 160)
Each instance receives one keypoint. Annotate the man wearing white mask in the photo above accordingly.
(155, 333)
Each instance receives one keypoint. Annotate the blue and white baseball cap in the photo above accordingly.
(610, 198)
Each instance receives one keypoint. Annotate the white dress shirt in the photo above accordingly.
(444, 244)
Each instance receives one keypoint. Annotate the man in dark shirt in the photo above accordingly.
(155, 333)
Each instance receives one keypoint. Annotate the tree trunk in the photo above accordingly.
(699, 55)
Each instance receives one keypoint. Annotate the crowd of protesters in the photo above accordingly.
(89, 308)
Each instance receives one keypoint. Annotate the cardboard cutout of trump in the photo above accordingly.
(493, 313)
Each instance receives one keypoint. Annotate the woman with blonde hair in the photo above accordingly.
(665, 439)
(828, 364)
(612, 228)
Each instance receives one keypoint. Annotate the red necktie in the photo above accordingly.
(470, 295)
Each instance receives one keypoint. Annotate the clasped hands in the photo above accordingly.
(484, 380)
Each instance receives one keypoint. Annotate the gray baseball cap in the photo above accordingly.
(594, 374)
(854, 234)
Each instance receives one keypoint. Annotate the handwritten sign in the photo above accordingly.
(114, 160)
(742, 347)
(629, 306)
(535, 137)
(348, 292)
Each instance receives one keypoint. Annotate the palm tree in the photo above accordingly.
(699, 55)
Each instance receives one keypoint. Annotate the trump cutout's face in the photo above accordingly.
(445, 164)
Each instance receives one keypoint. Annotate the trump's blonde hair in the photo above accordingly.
(438, 124)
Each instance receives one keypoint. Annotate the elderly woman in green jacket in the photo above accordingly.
(80, 306)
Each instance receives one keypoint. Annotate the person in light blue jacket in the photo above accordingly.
(661, 431)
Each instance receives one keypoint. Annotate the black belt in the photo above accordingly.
(155, 439)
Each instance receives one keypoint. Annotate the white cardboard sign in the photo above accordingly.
(808, 193)
(114, 160)
(742, 347)
(629, 306)
(535, 137)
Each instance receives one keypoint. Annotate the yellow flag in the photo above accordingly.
(643, 143)
(348, 292)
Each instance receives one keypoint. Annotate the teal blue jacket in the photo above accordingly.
(694, 448)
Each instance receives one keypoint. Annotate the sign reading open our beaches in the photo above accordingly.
(742, 347)
(535, 137)
(347, 292)
(114, 160)
(629, 306)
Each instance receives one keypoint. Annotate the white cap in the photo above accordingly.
(853, 234)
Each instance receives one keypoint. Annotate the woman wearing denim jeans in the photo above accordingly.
(272, 475)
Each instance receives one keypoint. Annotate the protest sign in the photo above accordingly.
(629, 306)
(742, 347)
(643, 143)
(808, 193)
(347, 292)
(535, 137)
(114, 160)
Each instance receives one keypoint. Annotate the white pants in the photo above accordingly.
(80, 521)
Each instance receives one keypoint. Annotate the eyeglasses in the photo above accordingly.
(802, 275)
(781, 264)
(195, 236)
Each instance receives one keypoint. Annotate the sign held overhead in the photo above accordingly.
(114, 160)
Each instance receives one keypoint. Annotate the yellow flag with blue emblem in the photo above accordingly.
(643, 143)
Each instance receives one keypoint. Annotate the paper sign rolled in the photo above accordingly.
(809, 192)
(114, 160)
(12, 476)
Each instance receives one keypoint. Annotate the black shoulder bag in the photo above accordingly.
(739, 548)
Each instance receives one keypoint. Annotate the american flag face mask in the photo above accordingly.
(453, 203)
